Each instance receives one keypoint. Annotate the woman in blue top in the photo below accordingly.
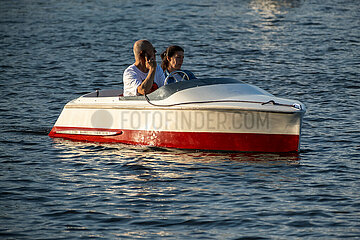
(172, 59)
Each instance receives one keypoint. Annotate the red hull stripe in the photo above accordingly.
(244, 142)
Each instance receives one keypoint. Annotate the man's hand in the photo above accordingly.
(150, 63)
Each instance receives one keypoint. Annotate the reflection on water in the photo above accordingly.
(271, 8)
(147, 176)
(72, 149)
(127, 164)
(272, 18)
(272, 12)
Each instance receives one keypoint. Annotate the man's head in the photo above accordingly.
(143, 48)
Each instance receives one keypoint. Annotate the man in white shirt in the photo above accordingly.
(144, 76)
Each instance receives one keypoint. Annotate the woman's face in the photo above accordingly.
(176, 61)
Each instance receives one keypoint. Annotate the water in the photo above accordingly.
(54, 51)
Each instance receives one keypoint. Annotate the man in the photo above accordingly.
(144, 76)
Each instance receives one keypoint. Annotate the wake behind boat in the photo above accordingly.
(209, 114)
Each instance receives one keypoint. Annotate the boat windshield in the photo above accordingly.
(169, 89)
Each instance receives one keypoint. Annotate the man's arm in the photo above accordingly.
(146, 85)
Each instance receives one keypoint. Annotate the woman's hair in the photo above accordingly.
(169, 52)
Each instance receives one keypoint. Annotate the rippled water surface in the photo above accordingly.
(54, 51)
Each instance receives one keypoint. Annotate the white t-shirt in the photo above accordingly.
(133, 77)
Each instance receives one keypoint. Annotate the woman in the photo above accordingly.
(172, 59)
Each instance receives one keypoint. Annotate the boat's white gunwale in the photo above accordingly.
(291, 110)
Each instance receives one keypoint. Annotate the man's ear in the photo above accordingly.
(142, 54)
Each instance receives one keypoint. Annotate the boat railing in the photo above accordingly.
(105, 93)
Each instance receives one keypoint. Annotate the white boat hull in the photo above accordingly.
(229, 125)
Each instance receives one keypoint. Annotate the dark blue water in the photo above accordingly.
(54, 51)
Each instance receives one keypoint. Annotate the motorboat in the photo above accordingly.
(220, 114)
